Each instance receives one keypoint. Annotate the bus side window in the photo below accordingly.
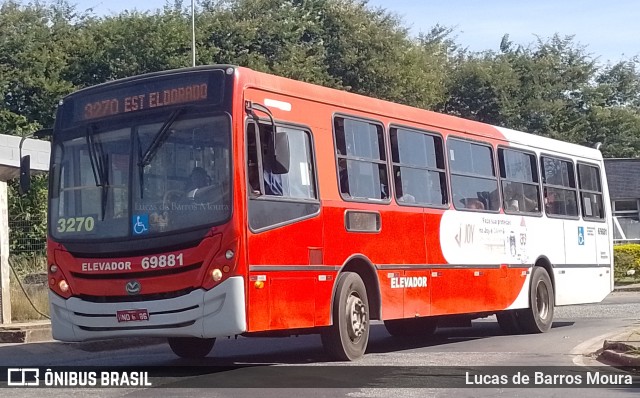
(519, 181)
(267, 189)
(418, 167)
(560, 191)
(474, 183)
(361, 159)
(590, 191)
(298, 182)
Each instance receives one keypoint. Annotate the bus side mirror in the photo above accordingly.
(25, 174)
(282, 155)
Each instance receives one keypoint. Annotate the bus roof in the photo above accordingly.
(382, 108)
(407, 113)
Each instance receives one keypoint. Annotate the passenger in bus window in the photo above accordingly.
(552, 203)
(473, 203)
(272, 181)
(402, 191)
(512, 205)
(531, 199)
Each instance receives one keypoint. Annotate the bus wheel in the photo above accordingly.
(539, 316)
(347, 338)
(508, 322)
(411, 327)
(191, 347)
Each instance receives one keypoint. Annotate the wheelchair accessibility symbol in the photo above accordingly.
(140, 224)
(581, 236)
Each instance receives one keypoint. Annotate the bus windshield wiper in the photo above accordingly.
(140, 166)
(99, 165)
(159, 138)
(92, 154)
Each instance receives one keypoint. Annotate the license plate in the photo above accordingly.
(132, 315)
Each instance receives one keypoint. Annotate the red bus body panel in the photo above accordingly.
(407, 244)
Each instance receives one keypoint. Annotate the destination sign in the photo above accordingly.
(180, 89)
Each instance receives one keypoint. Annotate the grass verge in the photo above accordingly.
(26, 267)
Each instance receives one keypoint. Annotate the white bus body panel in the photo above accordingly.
(579, 251)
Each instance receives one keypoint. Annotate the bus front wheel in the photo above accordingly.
(347, 338)
(539, 316)
(191, 347)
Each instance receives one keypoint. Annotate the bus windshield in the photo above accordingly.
(168, 174)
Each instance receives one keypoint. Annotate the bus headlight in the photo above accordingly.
(64, 286)
(216, 274)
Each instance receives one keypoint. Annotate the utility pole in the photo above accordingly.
(193, 31)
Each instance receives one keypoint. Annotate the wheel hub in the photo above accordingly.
(542, 300)
(356, 317)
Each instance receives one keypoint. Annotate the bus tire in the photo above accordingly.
(539, 316)
(508, 322)
(346, 339)
(191, 347)
(411, 327)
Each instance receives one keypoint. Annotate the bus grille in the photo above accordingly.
(146, 327)
(134, 298)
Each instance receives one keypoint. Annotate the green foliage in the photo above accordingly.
(28, 216)
(27, 265)
(33, 53)
(552, 88)
(337, 43)
(626, 258)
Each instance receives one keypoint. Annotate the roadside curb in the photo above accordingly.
(25, 332)
(618, 352)
(634, 288)
(38, 332)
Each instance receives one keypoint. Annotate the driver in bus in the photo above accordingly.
(198, 180)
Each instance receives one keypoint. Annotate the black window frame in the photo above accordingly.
(545, 185)
(443, 170)
(451, 173)
(601, 192)
(535, 169)
(347, 157)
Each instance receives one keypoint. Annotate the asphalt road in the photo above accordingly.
(577, 331)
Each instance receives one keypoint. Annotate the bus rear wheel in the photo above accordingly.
(191, 347)
(347, 338)
(539, 316)
(411, 327)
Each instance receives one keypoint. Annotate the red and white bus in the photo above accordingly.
(220, 201)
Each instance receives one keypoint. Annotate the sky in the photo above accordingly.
(608, 28)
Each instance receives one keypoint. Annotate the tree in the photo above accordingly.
(552, 88)
(34, 40)
(337, 43)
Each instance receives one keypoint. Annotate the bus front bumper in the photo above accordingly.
(218, 312)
